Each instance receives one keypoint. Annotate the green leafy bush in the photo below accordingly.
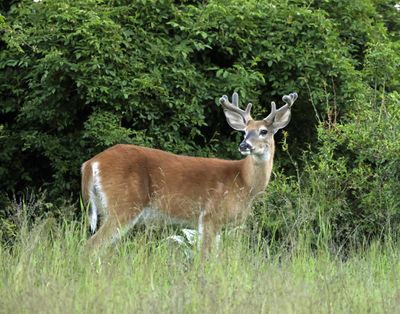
(151, 72)
(79, 76)
(347, 192)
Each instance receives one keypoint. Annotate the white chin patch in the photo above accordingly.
(245, 152)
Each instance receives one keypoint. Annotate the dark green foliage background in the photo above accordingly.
(79, 76)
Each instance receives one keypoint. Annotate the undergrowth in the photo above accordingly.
(46, 269)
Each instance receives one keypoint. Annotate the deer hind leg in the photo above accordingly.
(112, 228)
(116, 217)
(118, 203)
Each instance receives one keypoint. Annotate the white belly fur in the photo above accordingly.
(152, 216)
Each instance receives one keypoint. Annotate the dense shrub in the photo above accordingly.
(82, 75)
(347, 194)
(79, 76)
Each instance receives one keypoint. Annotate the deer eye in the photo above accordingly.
(263, 132)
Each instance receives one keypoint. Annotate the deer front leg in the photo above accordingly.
(208, 233)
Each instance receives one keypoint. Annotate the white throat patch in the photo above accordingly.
(263, 157)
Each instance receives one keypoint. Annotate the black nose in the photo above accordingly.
(244, 146)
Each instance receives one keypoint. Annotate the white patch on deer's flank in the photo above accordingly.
(97, 184)
(97, 197)
(92, 214)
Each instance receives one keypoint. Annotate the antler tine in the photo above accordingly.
(290, 99)
(235, 106)
(271, 116)
(235, 99)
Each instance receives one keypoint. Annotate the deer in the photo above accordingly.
(127, 184)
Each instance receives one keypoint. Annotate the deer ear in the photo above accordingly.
(235, 120)
(236, 117)
(283, 114)
(282, 118)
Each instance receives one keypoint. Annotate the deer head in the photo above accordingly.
(258, 138)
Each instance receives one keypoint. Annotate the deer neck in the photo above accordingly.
(257, 171)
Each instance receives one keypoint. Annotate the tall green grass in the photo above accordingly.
(46, 270)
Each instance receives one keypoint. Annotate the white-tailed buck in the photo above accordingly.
(128, 184)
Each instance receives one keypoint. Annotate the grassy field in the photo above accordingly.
(47, 271)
